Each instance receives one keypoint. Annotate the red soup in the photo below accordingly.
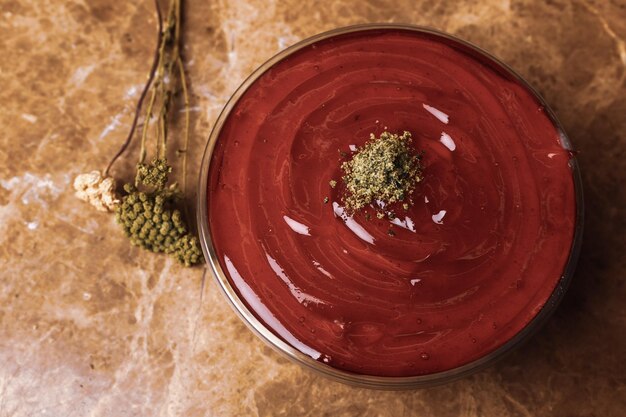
(468, 266)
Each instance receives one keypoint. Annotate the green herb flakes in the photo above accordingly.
(383, 171)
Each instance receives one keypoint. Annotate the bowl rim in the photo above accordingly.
(362, 380)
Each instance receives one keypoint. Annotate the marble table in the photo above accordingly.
(90, 326)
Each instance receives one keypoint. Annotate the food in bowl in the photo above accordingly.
(441, 283)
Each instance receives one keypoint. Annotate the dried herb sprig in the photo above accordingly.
(150, 218)
(383, 171)
(147, 210)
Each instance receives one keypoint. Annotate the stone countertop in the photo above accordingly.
(92, 326)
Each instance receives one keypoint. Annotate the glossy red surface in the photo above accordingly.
(471, 263)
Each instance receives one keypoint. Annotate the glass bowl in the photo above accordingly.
(295, 355)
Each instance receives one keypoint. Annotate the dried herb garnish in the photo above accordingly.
(384, 171)
(147, 210)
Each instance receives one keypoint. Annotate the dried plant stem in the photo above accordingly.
(144, 92)
(163, 85)
(183, 82)
(158, 81)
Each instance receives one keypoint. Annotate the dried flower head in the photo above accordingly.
(149, 218)
(97, 190)
(154, 174)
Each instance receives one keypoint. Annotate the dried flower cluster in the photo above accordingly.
(147, 211)
(150, 219)
(97, 190)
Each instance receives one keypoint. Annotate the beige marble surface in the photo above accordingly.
(92, 327)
